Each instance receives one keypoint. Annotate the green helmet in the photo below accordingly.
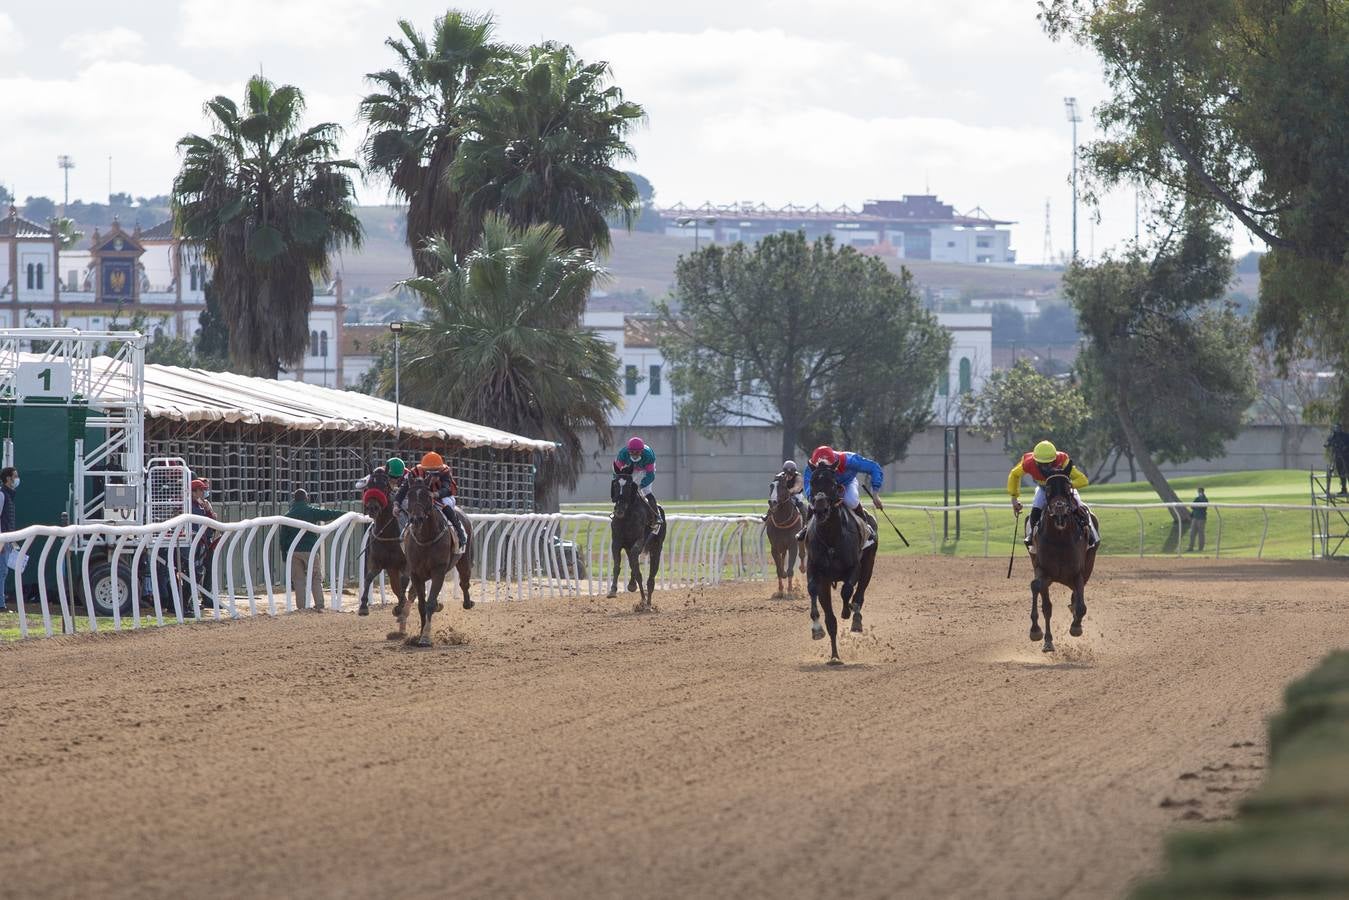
(395, 467)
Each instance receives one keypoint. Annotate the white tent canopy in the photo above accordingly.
(193, 395)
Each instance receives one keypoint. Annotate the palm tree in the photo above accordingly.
(499, 344)
(542, 140)
(415, 116)
(265, 203)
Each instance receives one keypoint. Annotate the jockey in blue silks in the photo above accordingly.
(847, 466)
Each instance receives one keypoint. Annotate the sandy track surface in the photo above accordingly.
(579, 750)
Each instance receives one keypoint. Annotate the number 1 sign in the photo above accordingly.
(46, 380)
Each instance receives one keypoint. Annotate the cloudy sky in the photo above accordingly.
(804, 101)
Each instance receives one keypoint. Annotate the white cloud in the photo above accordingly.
(131, 111)
(244, 24)
(11, 39)
(112, 43)
(587, 18)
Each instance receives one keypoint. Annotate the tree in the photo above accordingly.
(1169, 363)
(39, 209)
(67, 231)
(213, 340)
(822, 341)
(265, 203)
(1009, 325)
(415, 119)
(1021, 407)
(1242, 103)
(546, 132)
(498, 344)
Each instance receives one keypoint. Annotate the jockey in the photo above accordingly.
(440, 479)
(790, 481)
(848, 466)
(386, 479)
(1039, 464)
(638, 457)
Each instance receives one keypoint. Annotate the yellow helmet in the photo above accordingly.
(1045, 453)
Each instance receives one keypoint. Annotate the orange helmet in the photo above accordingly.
(432, 460)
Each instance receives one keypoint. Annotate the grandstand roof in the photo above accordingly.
(194, 395)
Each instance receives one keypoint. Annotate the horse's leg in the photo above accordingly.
(635, 578)
(816, 629)
(830, 623)
(1035, 633)
(801, 555)
(1079, 606)
(405, 593)
(791, 567)
(1048, 609)
(429, 606)
(777, 564)
(465, 567)
(653, 560)
(617, 551)
(364, 608)
(860, 588)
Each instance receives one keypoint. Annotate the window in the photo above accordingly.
(984, 242)
(655, 381)
(323, 344)
(630, 381)
(39, 276)
(192, 271)
(950, 243)
(30, 276)
(966, 376)
(313, 343)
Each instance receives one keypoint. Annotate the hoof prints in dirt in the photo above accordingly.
(447, 638)
(1213, 791)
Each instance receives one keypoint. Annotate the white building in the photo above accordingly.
(648, 400)
(124, 274)
(976, 245)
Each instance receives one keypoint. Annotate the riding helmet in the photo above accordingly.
(433, 460)
(636, 445)
(1045, 453)
(825, 454)
(395, 467)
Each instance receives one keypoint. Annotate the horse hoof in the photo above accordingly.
(1075, 630)
(611, 595)
(835, 661)
(363, 611)
(423, 642)
(847, 611)
(817, 632)
(468, 604)
(440, 607)
(1036, 634)
(632, 587)
(857, 624)
(1048, 647)
(394, 636)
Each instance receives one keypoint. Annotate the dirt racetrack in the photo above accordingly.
(576, 749)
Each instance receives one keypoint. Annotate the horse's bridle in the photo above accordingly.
(793, 522)
(831, 497)
(622, 505)
(1060, 506)
(418, 519)
(380, 530)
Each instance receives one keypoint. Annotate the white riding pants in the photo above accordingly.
(644, 490)
(851, 498)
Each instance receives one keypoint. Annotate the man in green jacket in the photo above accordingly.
(301, 509)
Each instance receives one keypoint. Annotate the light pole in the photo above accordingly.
(1070, 109)
(397, 329)
(66, 163)
(695, 222)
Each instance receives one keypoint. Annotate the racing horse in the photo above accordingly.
(782, 524)
(631, 533)
(834, 553)
(384, 551)
(1061, 556)
(432, 550)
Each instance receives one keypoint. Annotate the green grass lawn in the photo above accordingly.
(1288, 537)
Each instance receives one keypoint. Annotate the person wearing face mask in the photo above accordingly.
(9, 482)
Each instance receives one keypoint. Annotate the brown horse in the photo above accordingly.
(782, 524)
(631, 533)
(835, 554)
(432, 550)
(384, 552)
(1061, 557)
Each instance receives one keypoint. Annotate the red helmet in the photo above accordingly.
(824, 454)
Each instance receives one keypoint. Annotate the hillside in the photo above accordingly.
(641, 267)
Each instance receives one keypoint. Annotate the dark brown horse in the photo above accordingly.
(834, 553)
(631, 533)
(1061, 556)
(384, 551)
(432, 550)
(782, 524)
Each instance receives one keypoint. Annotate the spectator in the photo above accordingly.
(1338, 446)
(299, 560)
(1198, 520)
(9, 481)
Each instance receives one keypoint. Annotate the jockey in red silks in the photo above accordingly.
(847, 467)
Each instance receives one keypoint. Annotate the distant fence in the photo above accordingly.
(105, 573)
(1143, 529)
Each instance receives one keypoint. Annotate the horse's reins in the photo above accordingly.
(796, 515)
(417, 520)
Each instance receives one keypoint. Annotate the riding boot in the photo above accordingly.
(1031, 526)
(655, 513)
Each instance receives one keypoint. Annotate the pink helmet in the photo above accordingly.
(636, 445)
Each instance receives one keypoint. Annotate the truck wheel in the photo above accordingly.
(101, 580)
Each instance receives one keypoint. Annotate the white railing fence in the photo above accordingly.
(106, 573)
(993, 526)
